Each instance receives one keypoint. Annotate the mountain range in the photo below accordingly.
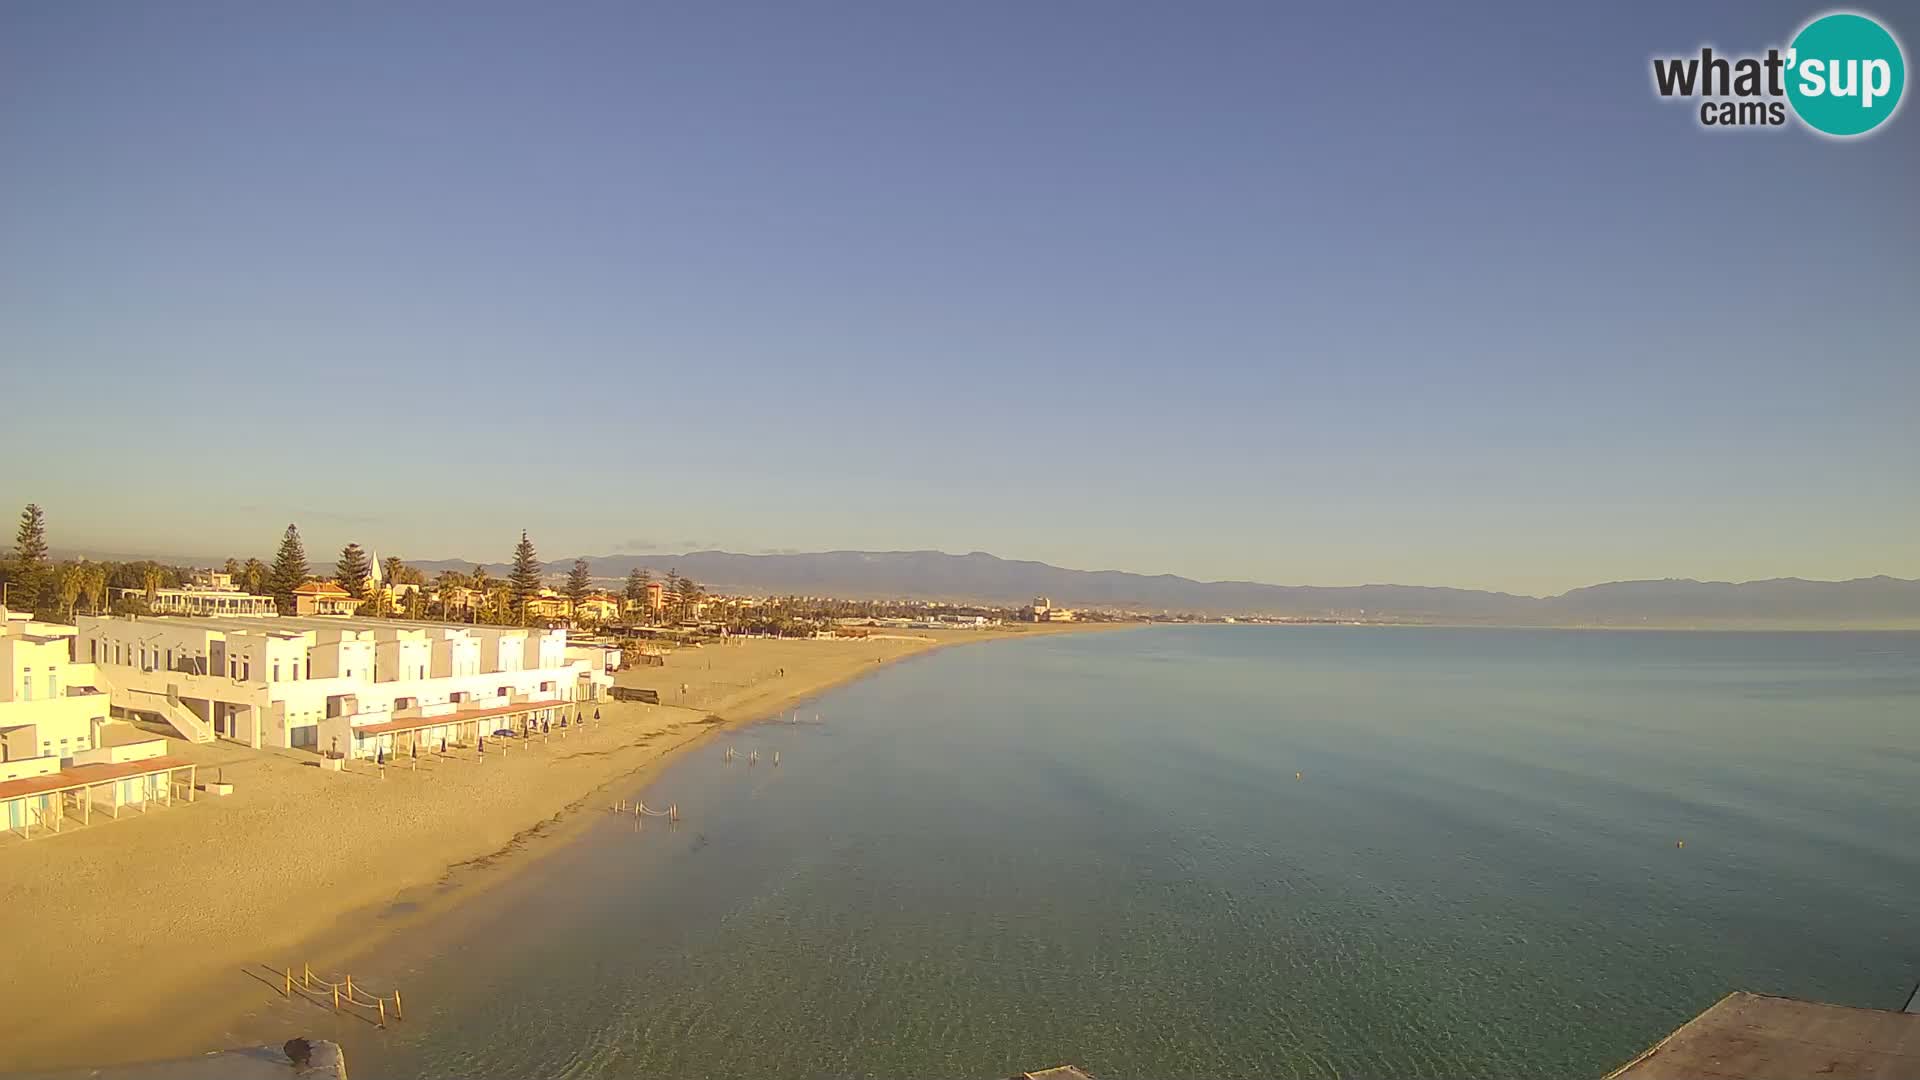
(984, 578)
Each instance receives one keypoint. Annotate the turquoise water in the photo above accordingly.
(1095, 849)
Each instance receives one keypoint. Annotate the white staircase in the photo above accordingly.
(169, 708)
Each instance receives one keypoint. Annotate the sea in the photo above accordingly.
(1216, 851)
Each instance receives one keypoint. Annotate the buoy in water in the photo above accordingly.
(1297, 776)
(1679, 843)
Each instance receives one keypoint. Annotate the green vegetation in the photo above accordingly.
(525, 576)
(289, 570)
(351, 571)
(579, 582)
(28, 576)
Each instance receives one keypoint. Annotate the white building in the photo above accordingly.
(210, 600)
(49, 706)
(336, 684)
(60, 755)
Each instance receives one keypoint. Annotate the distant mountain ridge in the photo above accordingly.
(981, 577)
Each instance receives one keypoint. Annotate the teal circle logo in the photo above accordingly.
(1845, 73)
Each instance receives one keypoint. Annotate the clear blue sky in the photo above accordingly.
(1306, 294)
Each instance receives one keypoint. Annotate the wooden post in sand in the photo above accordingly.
(288, 992)
(398, 1013)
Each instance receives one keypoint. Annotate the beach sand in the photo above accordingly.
(143, 937)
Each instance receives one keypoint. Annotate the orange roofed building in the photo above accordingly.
(323, 598)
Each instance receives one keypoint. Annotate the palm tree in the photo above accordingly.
(150, 580)
(72, 581)
(483, 588)
(444, 587)
(95, 587)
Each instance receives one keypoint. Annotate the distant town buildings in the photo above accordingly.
(1042, 610)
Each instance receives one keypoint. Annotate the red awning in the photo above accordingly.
(87, 775)
(463, 716)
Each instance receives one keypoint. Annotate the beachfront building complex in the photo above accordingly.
(60, 754)
(337, 684)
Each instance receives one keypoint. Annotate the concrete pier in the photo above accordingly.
(1754, 1037)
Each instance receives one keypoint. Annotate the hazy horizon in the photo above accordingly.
(320, 562)
(1167, 290)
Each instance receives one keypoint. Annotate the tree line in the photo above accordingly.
(32, 581)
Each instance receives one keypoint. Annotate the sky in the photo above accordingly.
(1306, 294)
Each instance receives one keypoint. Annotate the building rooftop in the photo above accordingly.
(1755, 1037)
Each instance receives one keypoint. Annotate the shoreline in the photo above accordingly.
(168, 1012)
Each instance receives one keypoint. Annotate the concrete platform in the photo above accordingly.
(249, 1063)
(1755, 1037)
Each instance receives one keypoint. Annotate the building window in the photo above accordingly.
(93, 650)
(53, 684)
(26, 686)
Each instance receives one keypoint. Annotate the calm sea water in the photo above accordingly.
(1095, 849)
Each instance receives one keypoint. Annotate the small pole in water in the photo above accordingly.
(776, 757)
(1679, 843)
(1296, 776)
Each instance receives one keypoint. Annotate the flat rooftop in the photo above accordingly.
(294, 625)
(1754, 1037)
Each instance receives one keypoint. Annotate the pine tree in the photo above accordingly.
(525, 578)
(32, 578)
(688, 595)
(637, 584)
(289, 569)
(351, 570)
(579, 582)
(671, 594)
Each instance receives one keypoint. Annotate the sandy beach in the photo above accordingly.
(142, 937)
